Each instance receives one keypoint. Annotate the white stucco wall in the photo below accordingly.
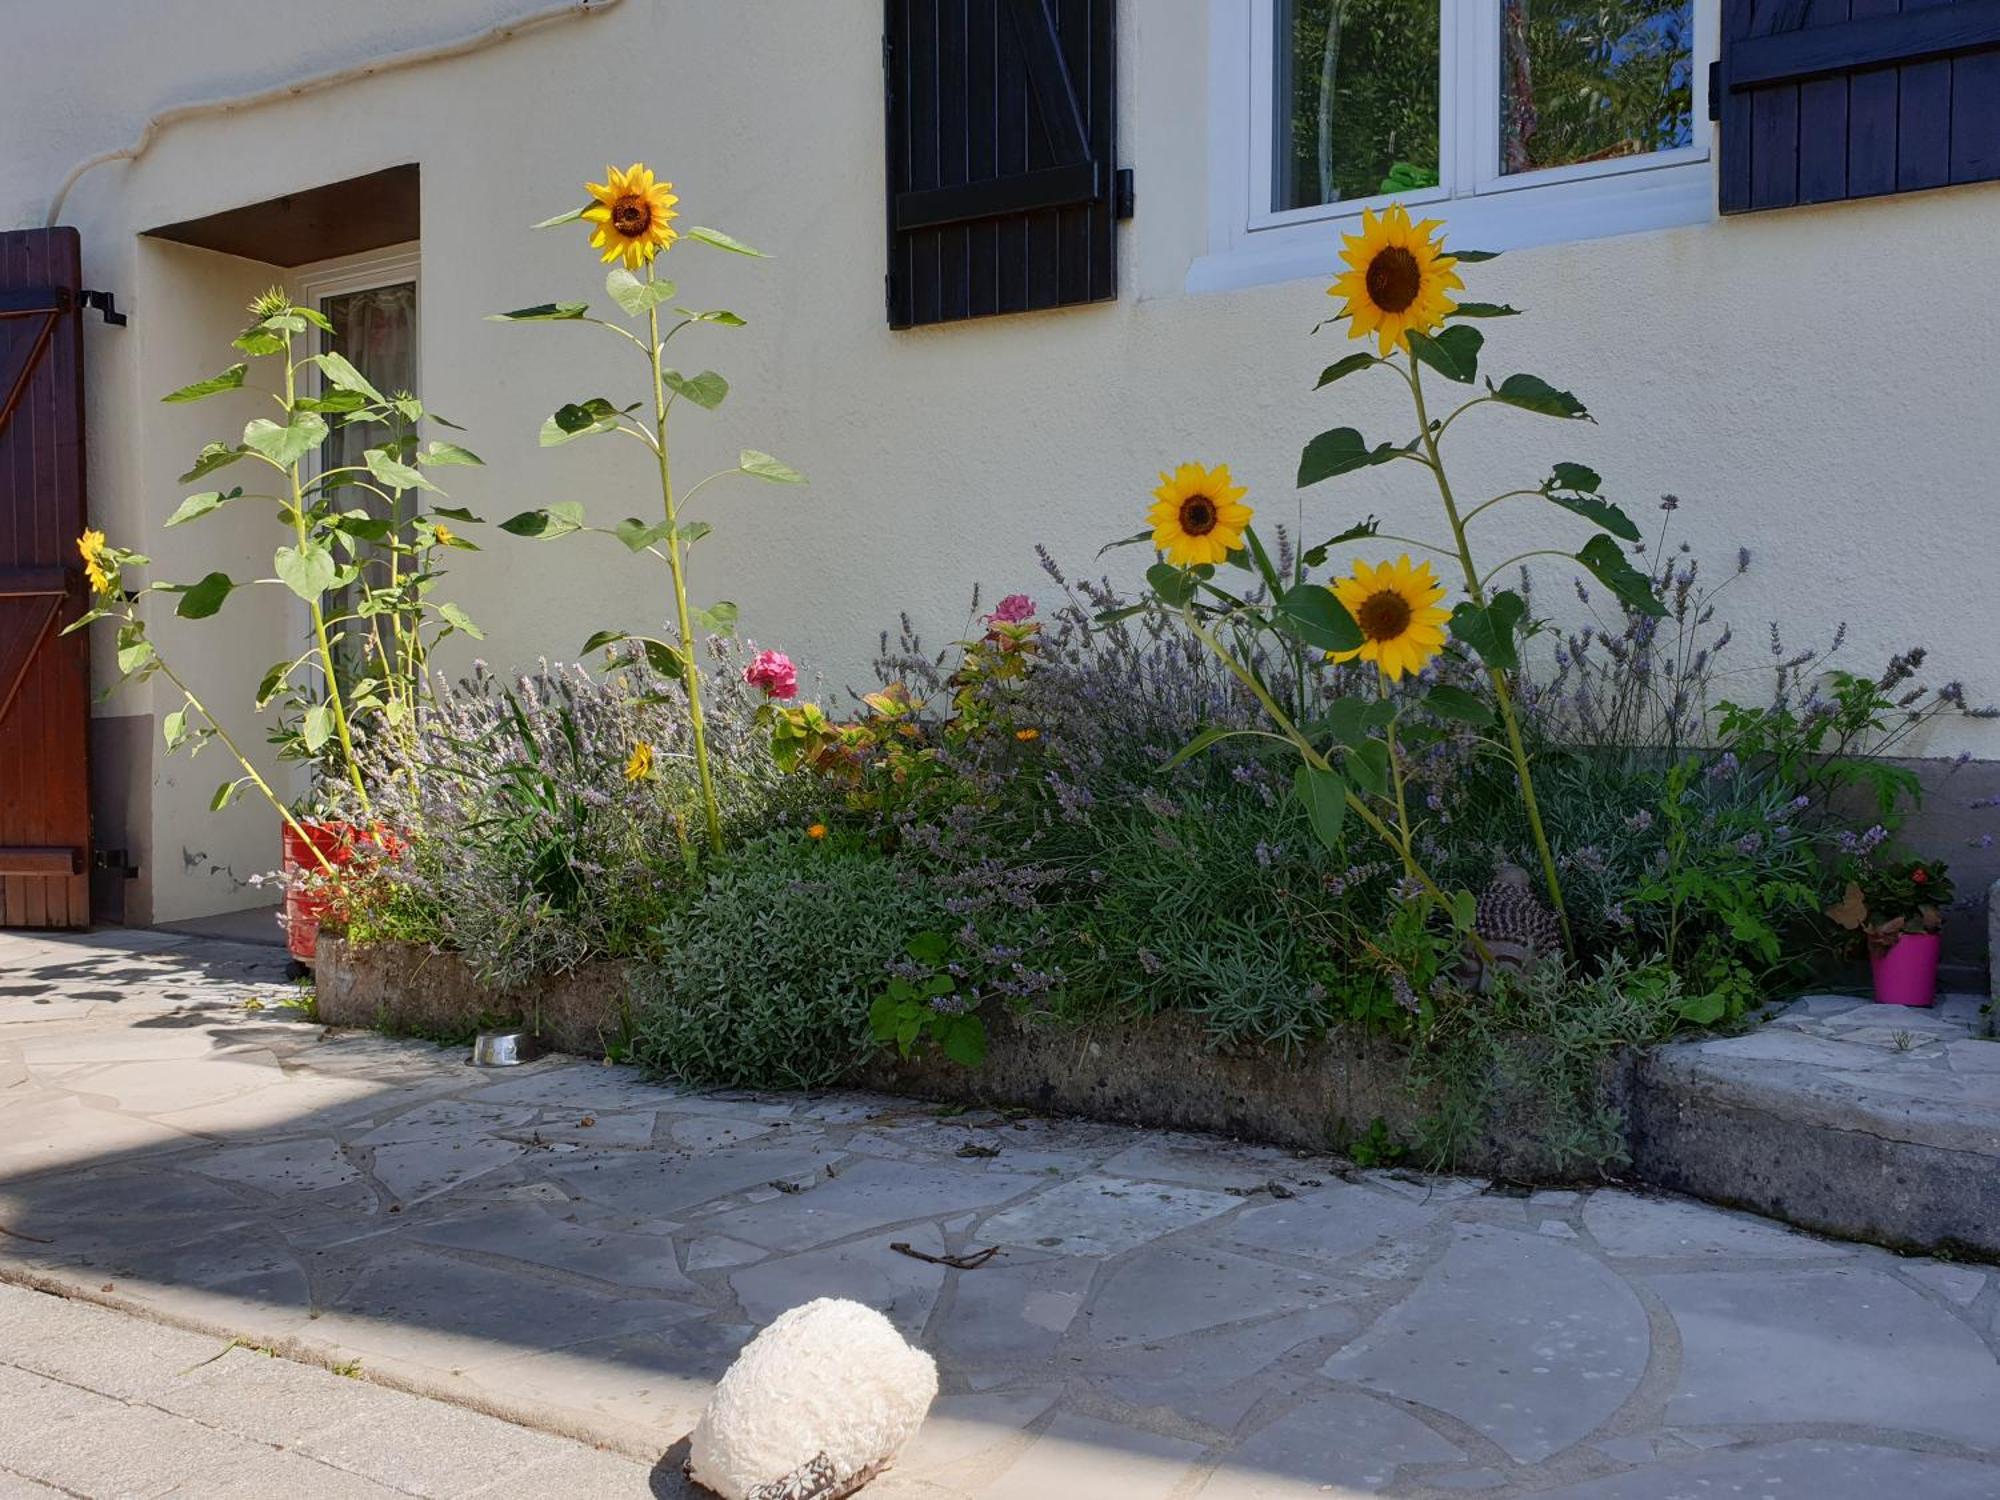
(1817, 385)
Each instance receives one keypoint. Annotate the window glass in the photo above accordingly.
(1355, 92)
(1593, 80)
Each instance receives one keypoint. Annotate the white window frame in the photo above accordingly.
(1251, 244)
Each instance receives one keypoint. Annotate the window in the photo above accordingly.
(1521, 121)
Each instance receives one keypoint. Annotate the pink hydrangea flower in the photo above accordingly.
(1013, 610)
(773, 673)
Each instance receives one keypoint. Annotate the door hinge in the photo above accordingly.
(106, 303)
(1715, 90)
(1121, 193)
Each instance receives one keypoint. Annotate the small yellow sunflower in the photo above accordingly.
(1199, 515)
(442, 534)
(1395, 605)
(632, 215)
(1396, 279)
(90, 546)
(639, 765)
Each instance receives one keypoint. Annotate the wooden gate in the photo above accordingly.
(44, 675)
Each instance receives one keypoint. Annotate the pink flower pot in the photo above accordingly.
(1907, 973)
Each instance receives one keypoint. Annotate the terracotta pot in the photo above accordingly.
(305, 906)
(1907, 973)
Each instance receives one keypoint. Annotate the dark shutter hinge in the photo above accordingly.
(106, 303)
(115, 860)
(1715, 90)
(1121, 193)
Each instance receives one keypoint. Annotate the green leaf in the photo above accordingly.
(1127, 541)
(1490, 631)
(1602, 512)
(395, 475)
(257, 341)
(542, 312)
(1368, 766)
(310, 315)
(600, 639)
(579, 419)
(286, 445)
(459, 620)
(662, 658)
(318, 727)
(1464, 911)
(1607, 560)
(634, 295)
(1314, 556)
(1325, 797)
(1579, 477)
(637, 535)
(134, 654)
(1456, 703)
(1312, 613)
(546, 525)
(344, 376)
(309, 573)
(1171, 583)
(205, 598)
(1473, 256)
(438, 453)
(230, 379)
(571, 217)
(721, 241)
(1198, 744)
(1532, 393)
(226, 793)
(1344, 367)
(763, 466)
(214, 456)
(1704, 1010)
(1339, 452)
(715, 315)
(174, 727)
(694, 531)
(705, 390)
(1483, 310)
(964, 1041)
(196, 506)
(928, 947)
(332, 403)
(1453, 351)
(1353, 721)
(718, 619)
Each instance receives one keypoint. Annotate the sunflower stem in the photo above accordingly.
(676, 568)
(1502, 695)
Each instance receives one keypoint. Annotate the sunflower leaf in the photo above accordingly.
(307, 571)
(286, 445)
(1311, 612)
(343, 376)
(715, 315)
(1600, 512)
(459, 620)
(1340, 451)
(1578, 477)
(1453, 352)
(1483, 310)
(1314, 556)
(1172, 584)
(203, 599)
(1325, 797)
(196, 506)
(1475, 255)
(1368, 766)
(1532, 393)
(634, 295)
(1489, 631)
(1344, 367)
(1262, 559)
(579, 419)
(1614, 570)
(1449, 702)
(1353, 721)
(705, 390)
(1127, 541)
(395, 475)
(718, 618)
(542, 312)
(722, 241)
(546, 524)
(763, 466)
(230, 379)
(564, 218)
(637, 535)
(439, 452)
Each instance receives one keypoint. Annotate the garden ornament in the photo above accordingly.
(816, 1406)
(1518, 931)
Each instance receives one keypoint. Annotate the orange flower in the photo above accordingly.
(1025, 735)
(816, 831)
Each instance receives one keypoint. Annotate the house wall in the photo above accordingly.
(1816, 385)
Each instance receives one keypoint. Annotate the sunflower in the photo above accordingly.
(631, 214)
(90, 546)
(1396, 278)
(639, 765)
(1199, 517)
(1395, 606)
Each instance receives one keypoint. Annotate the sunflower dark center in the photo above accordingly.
(1383, 616)
(1394, 279)
(1198, 515)
(631, 216)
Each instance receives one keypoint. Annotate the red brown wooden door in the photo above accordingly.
(44, 674)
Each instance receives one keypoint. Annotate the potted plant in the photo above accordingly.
(1898, 908)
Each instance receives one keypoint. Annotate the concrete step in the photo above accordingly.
(1871, 1122)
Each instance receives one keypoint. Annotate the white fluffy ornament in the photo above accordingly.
(815, 1406)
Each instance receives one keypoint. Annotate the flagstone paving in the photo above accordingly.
(1167, 1317)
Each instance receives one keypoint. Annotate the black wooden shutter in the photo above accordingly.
(1002, 127)
(1827, 99)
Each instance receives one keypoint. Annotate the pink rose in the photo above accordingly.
(773, 673)
(1013, 610)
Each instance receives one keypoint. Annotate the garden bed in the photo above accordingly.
(1347, 1091)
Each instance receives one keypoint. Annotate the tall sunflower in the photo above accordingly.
(1396, 279)
(1395, 606)
(632, 215)
(1198, 515)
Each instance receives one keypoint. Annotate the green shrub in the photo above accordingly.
(764, 978)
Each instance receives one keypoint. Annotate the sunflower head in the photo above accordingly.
(1396, 278)
(1395, 605)
(639, 764)
(632, 215)
(98, 566)
(1198, 516)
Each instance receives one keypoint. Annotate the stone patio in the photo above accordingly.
(1168, 1316)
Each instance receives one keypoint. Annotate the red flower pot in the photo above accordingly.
(307, 899)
